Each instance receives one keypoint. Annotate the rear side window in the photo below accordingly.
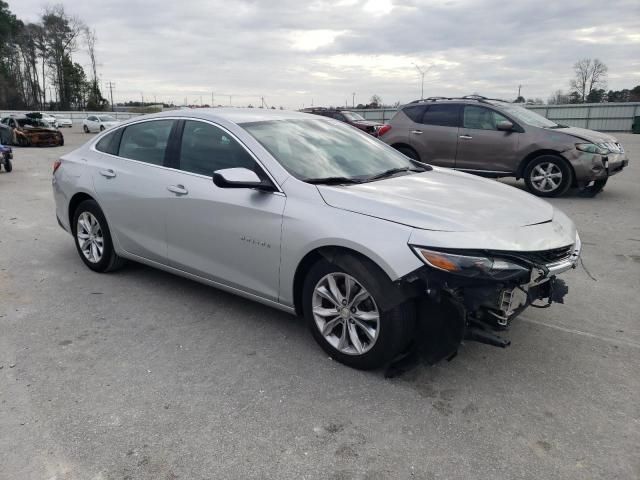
(146, 141)
(443, 115)
(415, 112)
(207, 148)
(109, 143)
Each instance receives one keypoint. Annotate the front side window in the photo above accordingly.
(312, 149)
(481, 118)
(442, 115)
(206, 148)
(527, 116)
(146, 141)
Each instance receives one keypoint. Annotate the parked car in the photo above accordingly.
(62, 121)
(32, 131)
(48, 119)
(6, 154)
(352, 118)
(297, 212)
(98, 123)
(495, 138)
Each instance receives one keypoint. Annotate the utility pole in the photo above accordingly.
(262, 99)
(519, 87)
(353, 100)
(111, 86)
(422, 72)
(142, 96)
(212, 102)
(230, 100)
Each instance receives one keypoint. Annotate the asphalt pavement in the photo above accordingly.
(143, 375)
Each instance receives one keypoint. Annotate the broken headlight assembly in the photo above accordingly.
(471, 266)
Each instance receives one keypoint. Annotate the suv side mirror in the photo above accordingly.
(505, 126)
(240, 178)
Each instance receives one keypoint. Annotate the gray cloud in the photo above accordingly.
(292, 51)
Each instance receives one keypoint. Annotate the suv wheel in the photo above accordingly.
(548, 176)
(93, 238)
(409, 152)
(345, 317)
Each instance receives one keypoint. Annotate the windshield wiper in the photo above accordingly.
(331, 180)
(393, 171)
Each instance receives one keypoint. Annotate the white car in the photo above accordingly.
(49, 119)
(62, 122)
(98, 123)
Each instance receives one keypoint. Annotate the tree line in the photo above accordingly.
(37, 68)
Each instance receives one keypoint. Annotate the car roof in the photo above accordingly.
(234, 115)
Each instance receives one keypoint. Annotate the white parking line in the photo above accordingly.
(617, 341)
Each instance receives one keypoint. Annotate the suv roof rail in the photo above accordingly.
(477, 98)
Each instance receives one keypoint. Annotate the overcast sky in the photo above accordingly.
(296, 51)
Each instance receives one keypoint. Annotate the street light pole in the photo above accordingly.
(353, 100)
(422, 72)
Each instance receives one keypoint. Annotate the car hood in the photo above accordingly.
(588, 135)
(367, 123)
(441, 200)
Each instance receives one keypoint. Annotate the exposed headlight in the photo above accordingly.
(469, 265)
(592, 148)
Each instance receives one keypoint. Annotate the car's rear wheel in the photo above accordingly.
(548, 176)
(409, 152)
(93, 238)
(8, 166)
(343, 309)
(85, 128)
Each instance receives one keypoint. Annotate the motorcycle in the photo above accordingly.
(6, 154)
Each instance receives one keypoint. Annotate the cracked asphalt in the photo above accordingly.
(144, 375)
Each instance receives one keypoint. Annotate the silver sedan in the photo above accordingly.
(306, 214)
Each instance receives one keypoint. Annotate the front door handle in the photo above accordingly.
(417, 132)
(178, 189)
(108, 173)
(466, 137)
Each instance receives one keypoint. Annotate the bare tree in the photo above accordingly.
(589, 74)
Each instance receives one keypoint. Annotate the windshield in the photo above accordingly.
(106, 118)
(354, 117)
(313, 149)
(527, 116)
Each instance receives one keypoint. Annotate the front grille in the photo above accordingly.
(549, 256)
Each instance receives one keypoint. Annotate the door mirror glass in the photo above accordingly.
(505, 126)
(239, 178)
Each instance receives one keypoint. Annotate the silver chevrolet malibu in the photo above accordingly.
(378, 252)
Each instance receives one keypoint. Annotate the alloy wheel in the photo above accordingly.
(346, 314)
(90, 237)
(546, 177)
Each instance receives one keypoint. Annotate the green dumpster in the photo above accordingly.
(635, 128)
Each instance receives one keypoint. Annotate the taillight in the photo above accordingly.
(384, 129)
(56, 165)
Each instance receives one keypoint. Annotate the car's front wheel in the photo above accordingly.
(343, 307)
(85, 128)
(8, 166)
(102, 128)
(93, 238)
(548, 176)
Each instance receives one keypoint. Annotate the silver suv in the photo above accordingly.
(306, 214)
(494, 138)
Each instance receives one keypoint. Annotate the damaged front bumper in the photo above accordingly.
(476, 308)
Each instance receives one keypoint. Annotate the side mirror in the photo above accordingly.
(505, 126)
(240, 178)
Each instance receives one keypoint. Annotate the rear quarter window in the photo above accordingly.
(415, 112)
(110, 142)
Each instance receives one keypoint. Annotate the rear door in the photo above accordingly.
(484, 148)
(435, 133)
(131, 181)
(228, 235)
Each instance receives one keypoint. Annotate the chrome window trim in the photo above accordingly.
(93, 148)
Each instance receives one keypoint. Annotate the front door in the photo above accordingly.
(484, 148)
(434, 135)
(231, 236)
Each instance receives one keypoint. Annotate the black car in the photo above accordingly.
(346, 116)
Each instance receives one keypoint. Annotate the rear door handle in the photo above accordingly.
(417, 132)
(466, 137)
(178, 189)
(108, 173)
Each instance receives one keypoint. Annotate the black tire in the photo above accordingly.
(408, 152)
(101, 128)
(85, 128)
(8, 166)
(110, 260)
(395, 326)
(558, 165)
